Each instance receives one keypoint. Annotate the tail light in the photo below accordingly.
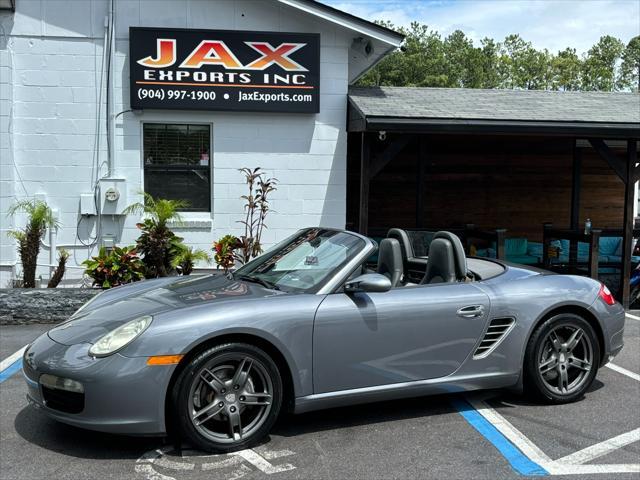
(605, 295)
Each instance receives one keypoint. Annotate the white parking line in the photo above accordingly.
(571, 464)
(600, 449)
(163, 461)
(514, 435)
(231, 466)
(623, 371)
(556, 468)
(11, 359)
(634, 317)
(263, 465)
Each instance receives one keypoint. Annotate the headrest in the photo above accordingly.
(403, 237)
(459, 257)
(390, 260)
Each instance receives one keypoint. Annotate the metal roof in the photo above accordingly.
(398, 108)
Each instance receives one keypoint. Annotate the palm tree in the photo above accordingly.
(160, 210)
(187, 257)
(157, 243)
(57, 276)
(40, 217)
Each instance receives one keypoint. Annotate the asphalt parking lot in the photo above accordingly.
(491, 435)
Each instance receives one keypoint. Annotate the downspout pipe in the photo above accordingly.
(109, 45)
(53, 234)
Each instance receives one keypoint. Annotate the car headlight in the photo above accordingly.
(120, 337)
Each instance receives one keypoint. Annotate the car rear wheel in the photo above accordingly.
(561, 359)
(228, 397)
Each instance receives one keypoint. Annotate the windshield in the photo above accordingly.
(304, 261)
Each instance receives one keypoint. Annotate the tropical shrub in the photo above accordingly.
(116, 267)
(256, 209)
(157, 244)
(186, 258)
(55, 279)
(40, 217)
(225, 252)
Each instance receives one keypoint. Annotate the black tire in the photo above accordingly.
(190, 378)
(540, 351)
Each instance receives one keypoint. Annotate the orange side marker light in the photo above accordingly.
(164, 359)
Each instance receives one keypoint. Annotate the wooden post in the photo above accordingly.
(627, 238)
(576, 181)
(573, 255)
(422, 167)
(365, 154)
(467, 233)
(500, 253)
(594, 253)
(546, 240)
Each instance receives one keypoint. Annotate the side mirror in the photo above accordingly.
(369, 282)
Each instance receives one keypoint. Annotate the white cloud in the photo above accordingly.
(551, 24)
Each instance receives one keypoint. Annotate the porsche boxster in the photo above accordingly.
(312, 324)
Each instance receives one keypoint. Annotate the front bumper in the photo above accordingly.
(121, 394)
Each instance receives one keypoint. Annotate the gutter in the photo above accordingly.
(440, 125)
(347, 20)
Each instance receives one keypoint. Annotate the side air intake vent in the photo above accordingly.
(498, 329)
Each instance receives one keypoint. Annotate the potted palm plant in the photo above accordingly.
(157, 244)
(187, 257)
(39, 218)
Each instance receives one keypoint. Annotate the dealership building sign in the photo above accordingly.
(224, 70)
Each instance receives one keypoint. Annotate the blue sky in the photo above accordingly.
(552, 24)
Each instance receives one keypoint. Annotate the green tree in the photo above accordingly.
(463, 66)
(522, 66)
(630, 68)
(427, 60)
(508, 66)
(599, 66)
(566, 68)
(421, 63)
(489, 62)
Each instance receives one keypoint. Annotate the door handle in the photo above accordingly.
(472, 311)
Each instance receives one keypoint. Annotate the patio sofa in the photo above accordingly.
(520, 250)
(610, 251)
(517, 250)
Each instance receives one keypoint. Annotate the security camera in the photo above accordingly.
(362, 46)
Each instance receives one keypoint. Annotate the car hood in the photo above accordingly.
(132, 302)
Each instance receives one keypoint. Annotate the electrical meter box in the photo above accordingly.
(113, 196)
(87, 204)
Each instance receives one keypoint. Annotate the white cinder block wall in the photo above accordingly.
(53, 121)
(7, 171)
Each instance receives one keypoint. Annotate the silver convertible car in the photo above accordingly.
(214, 359)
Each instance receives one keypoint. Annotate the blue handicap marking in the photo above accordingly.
(518, 460)
(10, 370)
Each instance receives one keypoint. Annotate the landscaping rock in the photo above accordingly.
(23, 306)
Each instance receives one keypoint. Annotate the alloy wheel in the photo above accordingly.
(230, 398)
(565, 359)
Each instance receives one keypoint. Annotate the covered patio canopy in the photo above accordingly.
(385, 123)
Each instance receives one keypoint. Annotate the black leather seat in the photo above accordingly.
(447, 261)
(406, 249)
(390, 261)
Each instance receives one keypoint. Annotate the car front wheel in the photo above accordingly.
(561, 359)
(228, 397)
